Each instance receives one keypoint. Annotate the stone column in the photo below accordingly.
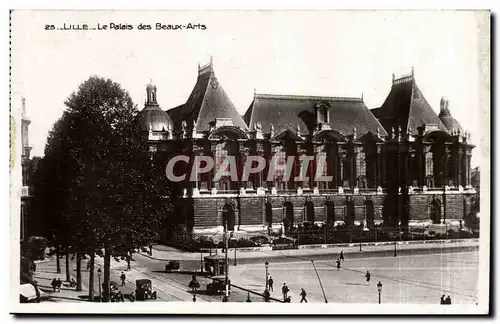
(378, 180)
(353, 165)
(244, 152)
(458, 164)
(468, 168)
(211, 183)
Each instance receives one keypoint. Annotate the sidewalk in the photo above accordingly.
(162, 253)
(46, 271)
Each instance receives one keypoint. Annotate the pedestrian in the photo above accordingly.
(338, 264)
(54, 284)
(303, 294)
(59, 284)
(123, 277)
(443, 300)
(270, 283)
(341, 257)
(368, 276)
(448, 300)
(150, 249)
(285, 291)
(267, 295)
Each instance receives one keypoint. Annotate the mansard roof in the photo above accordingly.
(208, 101)
(285, 112)
(406, 106)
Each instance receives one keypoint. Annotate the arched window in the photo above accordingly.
(309, 212)
(269, 214)
(323, 114)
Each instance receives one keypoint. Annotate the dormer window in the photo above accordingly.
(322, 113)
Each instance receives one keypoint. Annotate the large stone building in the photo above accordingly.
(395, 165)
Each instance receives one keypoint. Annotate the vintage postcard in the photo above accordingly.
(238, 162)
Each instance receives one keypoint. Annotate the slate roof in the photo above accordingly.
(406, 106)
(207, 101)
(285, 112)
(153, 115)
(375, 112)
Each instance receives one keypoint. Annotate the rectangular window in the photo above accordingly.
(361, 164)
(280, 162)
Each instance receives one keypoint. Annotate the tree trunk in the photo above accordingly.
(107, 264)
(78, 272)
(91, 277)
(67, 268)
(58, 262)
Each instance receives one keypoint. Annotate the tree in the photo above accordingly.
(112, 193)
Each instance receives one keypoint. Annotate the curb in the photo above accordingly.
(384, 244)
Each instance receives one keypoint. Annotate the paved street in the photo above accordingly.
(405, 279)
(417, 278)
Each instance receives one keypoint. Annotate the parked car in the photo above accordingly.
(144, 290)
(172, 266)
(285, 243)
(218, 285)
(260, 240)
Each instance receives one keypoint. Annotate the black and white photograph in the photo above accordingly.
(235, 162)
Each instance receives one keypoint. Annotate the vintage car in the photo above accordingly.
(218, 285)
(172, 266)
(144, 290)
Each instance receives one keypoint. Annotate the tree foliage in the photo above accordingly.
(98, 184)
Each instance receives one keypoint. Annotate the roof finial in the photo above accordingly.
(254, 92)
(211, 60)
(412, 71)
(361, 95)
(393, 78)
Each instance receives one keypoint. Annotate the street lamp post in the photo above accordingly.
(267, 266)
(447, 156)
(226, 243)
(395, 246)
(360, 236)
(201, 260)
(234, 254)
(379, 288)
(99, 271)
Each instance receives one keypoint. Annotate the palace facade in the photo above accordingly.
(396, 165)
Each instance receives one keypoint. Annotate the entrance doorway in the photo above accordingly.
(370, 213)
(435, 211)
(228, 217)
(309, 207)
(288, 213)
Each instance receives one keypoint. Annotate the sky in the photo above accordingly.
(329, 53)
